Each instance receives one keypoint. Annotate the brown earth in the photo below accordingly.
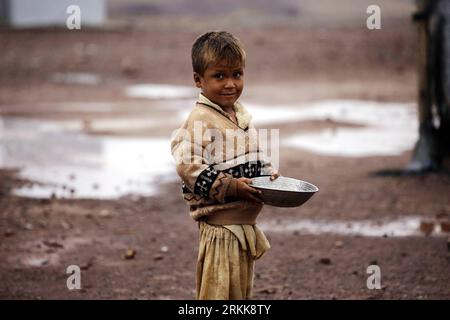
(39, 238)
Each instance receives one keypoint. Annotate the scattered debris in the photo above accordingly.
(66, 225)
(445, 226)
(8, 233)
(426, 227)
(339, 244)
(52, 244)
(128, 66)
(325, 261)
(87, 265)
(37, 262)
(28, 226)
(268, 290)
(129, 254)
(105, 213)
(158, 257)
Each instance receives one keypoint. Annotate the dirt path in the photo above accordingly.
(40, 238)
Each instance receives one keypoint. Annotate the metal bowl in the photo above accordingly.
(284, 191)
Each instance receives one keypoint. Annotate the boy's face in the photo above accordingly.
(221, 83)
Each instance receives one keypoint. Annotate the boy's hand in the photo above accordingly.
(244, 191)
(274, 175)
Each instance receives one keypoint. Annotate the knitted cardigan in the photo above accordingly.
(209, 160)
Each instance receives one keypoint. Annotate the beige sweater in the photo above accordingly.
(209, 160)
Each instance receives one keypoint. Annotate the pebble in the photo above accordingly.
(158, 257)
(130, 254)
(338, 244)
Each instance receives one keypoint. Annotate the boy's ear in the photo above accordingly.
(197, 80)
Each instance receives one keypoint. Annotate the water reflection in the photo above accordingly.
(400, 227)
(73, 164)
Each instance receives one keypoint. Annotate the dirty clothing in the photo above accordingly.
(209, 168)
(226, 260)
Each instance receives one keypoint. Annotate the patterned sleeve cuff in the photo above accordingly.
(205, 181)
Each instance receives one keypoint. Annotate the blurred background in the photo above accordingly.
(87, 178)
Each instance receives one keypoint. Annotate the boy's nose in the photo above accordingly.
(229, 83)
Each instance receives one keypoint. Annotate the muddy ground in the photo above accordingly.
(39, 238)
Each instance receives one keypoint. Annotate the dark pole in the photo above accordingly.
(433, 62)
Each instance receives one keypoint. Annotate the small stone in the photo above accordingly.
(338, 244)
(105, 213)
(42, 224)
(325, 261)
(158, 257)
(28, 226)
(426, 227)
(130, 254)
(65, 225)
(445, 226)
(8, 233)
(268, 290)
(87, 265)
(164, 249)
(128, 66)
(52, 244)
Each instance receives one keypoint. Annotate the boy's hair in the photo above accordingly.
(214, 46)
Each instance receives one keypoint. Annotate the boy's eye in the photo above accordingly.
(237, 74)
(219, 76)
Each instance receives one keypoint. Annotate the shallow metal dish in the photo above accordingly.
(284, 191)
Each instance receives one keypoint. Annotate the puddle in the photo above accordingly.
(389, 129)
(88, 79)
(401, 227)
(161, 91)
(382, 128)
(76, 165)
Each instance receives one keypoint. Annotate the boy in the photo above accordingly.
(216, 172)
